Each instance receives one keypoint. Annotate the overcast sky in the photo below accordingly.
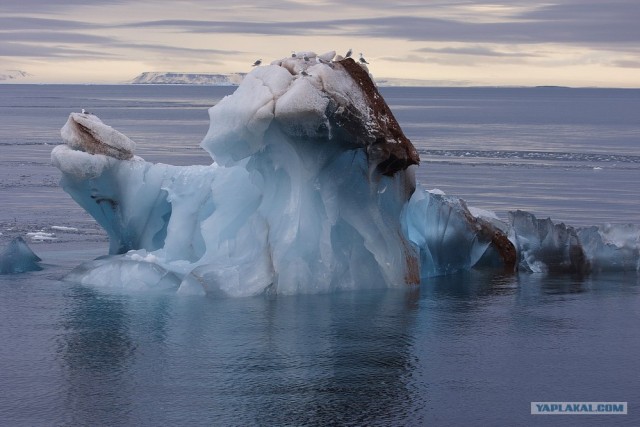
(512, 42)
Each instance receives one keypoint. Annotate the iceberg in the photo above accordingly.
(312, 189)
(18, 257)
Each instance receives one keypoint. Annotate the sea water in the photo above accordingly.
(469, 349)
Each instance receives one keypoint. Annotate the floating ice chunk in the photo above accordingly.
(18, 257)
(296, 202)
(544, 246)
(63, 228)
(39, 236)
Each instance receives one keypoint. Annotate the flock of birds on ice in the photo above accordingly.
(318, 59)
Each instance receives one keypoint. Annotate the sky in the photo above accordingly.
(445, 42)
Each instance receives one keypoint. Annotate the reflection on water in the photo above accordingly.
(95, 349)
(274, 361)
(469, 349)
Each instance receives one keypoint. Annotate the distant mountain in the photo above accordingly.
(234, 79)
(397, 82)
(13, 74)
(163, 78)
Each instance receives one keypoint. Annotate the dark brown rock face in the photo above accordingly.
(386, 144)
(498, 239)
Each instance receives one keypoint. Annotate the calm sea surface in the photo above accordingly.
(470, 349)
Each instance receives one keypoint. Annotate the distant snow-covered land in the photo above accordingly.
(386, 82)
(234, 79)
(13, 74)
(231, 79)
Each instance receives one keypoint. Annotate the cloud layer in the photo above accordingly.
(441, 32)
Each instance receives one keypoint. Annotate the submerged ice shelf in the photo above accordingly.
(312, 189)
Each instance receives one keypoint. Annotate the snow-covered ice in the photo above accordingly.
(312, 189)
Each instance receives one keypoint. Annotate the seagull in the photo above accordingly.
(348, 54)
(258, 62)
(85, 111)
(293, 54)
(362, 60)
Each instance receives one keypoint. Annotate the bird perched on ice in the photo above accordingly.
(258, 62)
(362, 60)
(85, 111)
(293, 54)
(348, 54)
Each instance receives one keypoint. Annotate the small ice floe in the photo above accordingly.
(597, 168)
(41, 236)
(62, 228)
(18, 257)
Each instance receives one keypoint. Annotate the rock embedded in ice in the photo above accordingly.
(18, 257)
(386, 143)
(86, 132)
